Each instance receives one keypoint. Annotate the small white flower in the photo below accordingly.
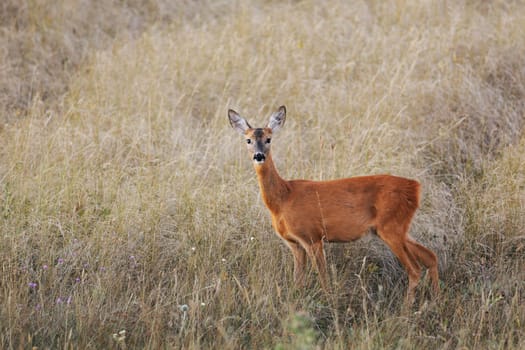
(252, 238)
(193, 249)
(120, 336)
(223, 260)
(203, 304)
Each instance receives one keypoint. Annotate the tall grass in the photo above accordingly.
(128, 203)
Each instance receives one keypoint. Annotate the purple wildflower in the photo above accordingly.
(33, 285)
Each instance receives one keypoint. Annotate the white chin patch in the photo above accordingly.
(259, 162)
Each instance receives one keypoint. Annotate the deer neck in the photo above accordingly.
(273, 187)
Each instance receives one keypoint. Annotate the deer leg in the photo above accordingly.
(316, 253)
(299, 262)
(399, 247)
(429, 260)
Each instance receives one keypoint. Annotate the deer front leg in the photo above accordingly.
(299, 262)
(316, 253)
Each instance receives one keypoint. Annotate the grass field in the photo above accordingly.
(130, 215)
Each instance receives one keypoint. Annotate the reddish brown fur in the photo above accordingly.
(307, 213)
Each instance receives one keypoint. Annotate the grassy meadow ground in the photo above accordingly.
(130, 216)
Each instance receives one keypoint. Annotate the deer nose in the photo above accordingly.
(259, 157)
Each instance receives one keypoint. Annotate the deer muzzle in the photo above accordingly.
(259, 157)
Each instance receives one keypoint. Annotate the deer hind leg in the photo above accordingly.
(429, 260)
(299, 262)
(316, 254)
(397, 242)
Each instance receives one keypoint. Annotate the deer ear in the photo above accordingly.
(277, 119)
(237, 122)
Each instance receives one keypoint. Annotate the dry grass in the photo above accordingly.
(127, 202)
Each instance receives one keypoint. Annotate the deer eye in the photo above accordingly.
(268, 140)
(248, 141)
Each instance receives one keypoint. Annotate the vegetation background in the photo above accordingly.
(130, 215)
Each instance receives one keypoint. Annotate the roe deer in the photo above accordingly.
(307, 213)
